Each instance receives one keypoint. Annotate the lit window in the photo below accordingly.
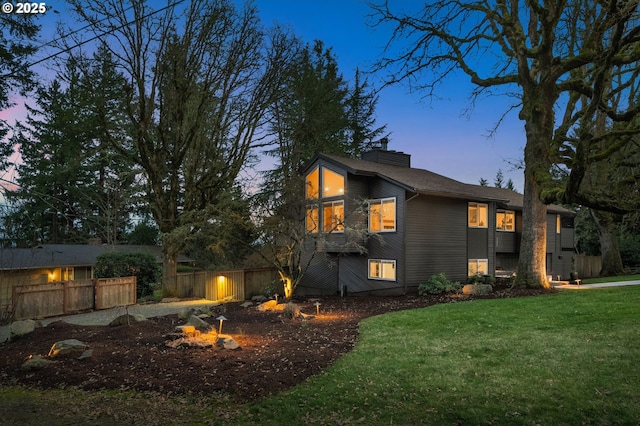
(332, 183)
(477, 215)
(333, 216)
(505, 220)
(382, 215)
(557, 224)
(312, 187)
(478, 267)
(312, 219)
(382, 270)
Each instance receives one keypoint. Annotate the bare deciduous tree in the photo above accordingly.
(200, 80)
(525, 49)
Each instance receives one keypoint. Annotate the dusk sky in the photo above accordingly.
(437, 133)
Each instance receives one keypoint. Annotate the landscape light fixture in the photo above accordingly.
(221, 318)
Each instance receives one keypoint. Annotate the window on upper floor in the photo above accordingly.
(382, 215)
(505, 220)
(380, 269)
(478, 215)
(312, 184)
(333, 216)
(478, 267)
(332, 183)
(558, 224)
(327, 215)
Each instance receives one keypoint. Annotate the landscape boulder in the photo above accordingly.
(35, 362)
(199, 323)
(127, 319)
(68, 347)
(20, 328)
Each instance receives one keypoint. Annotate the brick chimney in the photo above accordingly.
(383, 156)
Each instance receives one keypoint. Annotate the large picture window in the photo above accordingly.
(382, 215)
(332, 183)
(382, 269)
(478, 267)
(333, 216)
(505, 220)
(478, 215)
(329, 216)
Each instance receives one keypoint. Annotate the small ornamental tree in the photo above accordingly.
(141, 265)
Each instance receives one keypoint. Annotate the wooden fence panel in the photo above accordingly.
(225, 285)
(79, 295)
(588, 266)
(111, 292)
(259, 281)
(38, 300)
(192, 284)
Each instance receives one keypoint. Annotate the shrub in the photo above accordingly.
(141, 265)
(481, 279)
(439, 284)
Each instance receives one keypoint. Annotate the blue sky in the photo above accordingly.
(437, 133)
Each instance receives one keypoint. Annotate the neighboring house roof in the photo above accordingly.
(425, 182)
(69, 255)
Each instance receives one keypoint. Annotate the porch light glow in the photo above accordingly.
(317, 308)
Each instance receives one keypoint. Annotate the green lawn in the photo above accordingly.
(563, 359)
(568, 358)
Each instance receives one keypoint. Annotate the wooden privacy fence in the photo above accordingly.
(588, 266)
(225, 285)
(65, 297)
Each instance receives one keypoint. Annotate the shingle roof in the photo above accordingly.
(425, 182)
(68, 255)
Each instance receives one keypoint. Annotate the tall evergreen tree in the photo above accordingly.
(72, 185)
(17, 33)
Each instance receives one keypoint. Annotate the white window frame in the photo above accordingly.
(477, 207)
(505, 212)
(477, 262)
(382, 263)
(338, 226)
(381, 202)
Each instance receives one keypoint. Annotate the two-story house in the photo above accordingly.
(418, 224)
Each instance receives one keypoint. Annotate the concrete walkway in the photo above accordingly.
(560, 286)
(104, 317)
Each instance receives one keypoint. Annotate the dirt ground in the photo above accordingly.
(276, 352)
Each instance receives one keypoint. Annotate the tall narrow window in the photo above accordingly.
(382, 215)
(332, 183)
(505, 220)
(312, 219)
(312, 184)
(478, 215)
(558, 225)
(382, 269)
(333, 216)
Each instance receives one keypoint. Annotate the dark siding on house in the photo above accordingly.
(436, 239)
(385, 245)
(321, 277)
(507, 242)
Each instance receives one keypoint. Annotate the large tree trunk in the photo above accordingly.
(169, 272)
(532, 269)
(611, 259)
(537, 113)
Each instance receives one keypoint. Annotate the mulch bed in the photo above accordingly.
(276, 352)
